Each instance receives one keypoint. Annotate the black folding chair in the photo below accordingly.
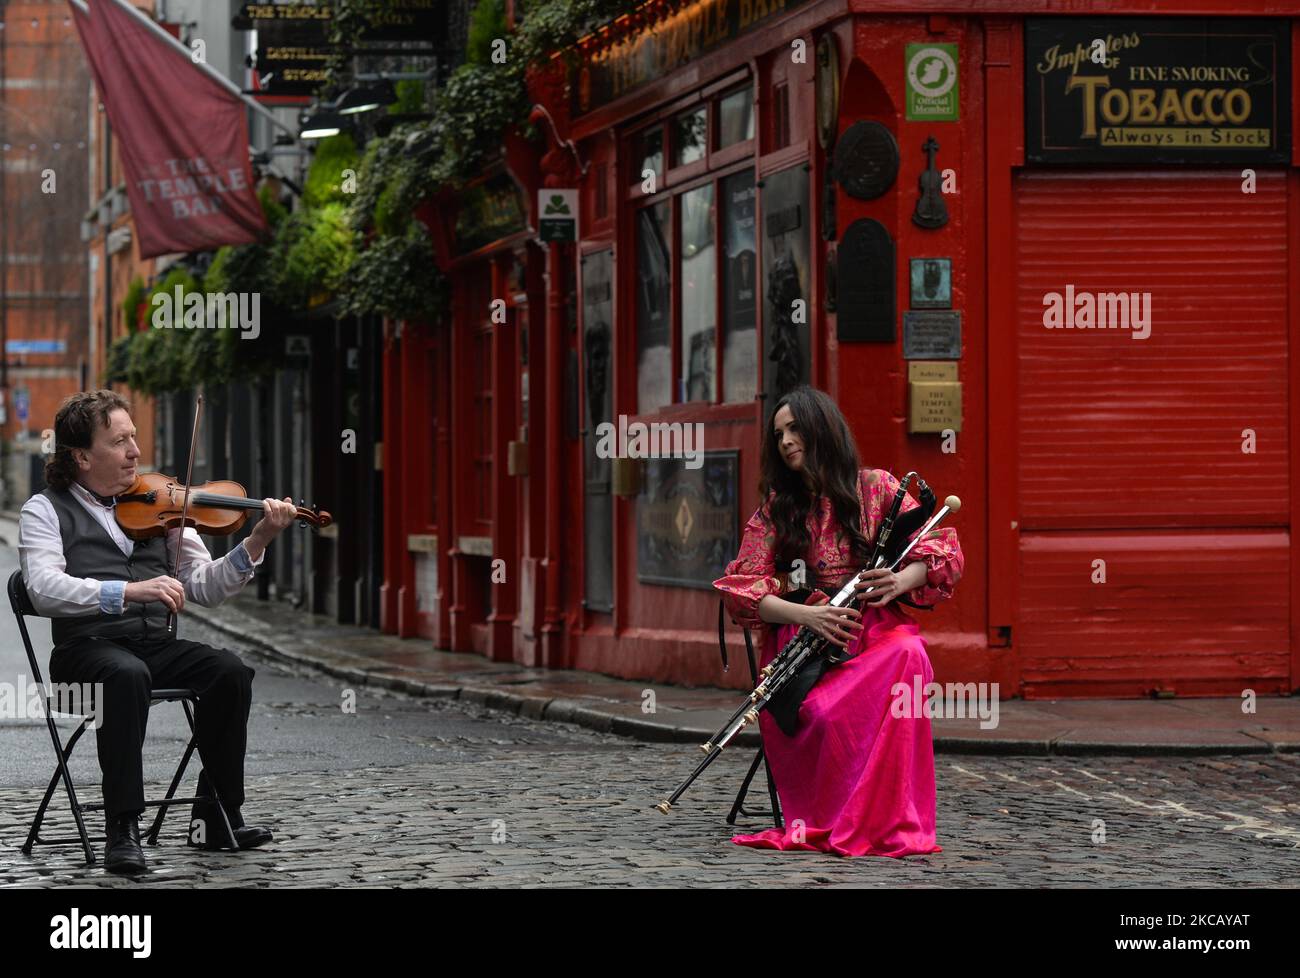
(189, 700)
(738, 808)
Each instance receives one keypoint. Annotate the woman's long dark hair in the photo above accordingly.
(830, 458)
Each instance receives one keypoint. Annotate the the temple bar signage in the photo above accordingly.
(393, 20)
(1162, 90)
(616, 68)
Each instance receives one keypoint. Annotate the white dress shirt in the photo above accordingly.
(207, 582)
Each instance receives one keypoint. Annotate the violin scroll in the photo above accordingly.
(313, 516)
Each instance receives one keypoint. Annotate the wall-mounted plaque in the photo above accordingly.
(864, 277)
(866, 160)
(932, 82)
(931, 335)
(688, 521)
(933, 407)
(931, 280)
(1157, 90)
(931, 371)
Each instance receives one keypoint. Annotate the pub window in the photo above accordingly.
(787, 353)
(735, 118)
(480, 301)
(697, 273)
(654, 302)
(739, 274)
(689, 130)
(482, 346)
(650, 151)
(699, 294)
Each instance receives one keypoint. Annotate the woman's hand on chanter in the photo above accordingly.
(839, 625)
(886, 585)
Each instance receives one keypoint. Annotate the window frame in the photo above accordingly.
(743, 148)
(714, 168)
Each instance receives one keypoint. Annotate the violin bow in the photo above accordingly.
(185, 503)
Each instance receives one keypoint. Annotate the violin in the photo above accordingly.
(155, 503)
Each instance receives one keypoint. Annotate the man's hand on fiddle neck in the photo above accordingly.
(276, 515)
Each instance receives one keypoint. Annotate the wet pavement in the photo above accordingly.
(413, 790)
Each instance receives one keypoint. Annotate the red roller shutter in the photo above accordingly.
(1131, 450)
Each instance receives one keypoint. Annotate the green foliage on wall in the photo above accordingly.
(311, 256)
(247, 267)
(396, 277)
(366, 248)
(412, 97)
(325, 176)
(486, 24)
(131, 303)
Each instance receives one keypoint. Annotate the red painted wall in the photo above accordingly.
(669, 634)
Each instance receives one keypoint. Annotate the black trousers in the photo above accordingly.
(129, 670)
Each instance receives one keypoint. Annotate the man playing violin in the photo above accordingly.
(109, 599)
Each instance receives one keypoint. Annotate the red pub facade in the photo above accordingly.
(1046, 261)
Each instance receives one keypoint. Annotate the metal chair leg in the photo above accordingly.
(738, 806)
(152, 836)
(777, 815)
(61, 772)
(225, 819)
(33, 836)
(215, 798)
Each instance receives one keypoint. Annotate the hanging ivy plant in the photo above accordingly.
(318, 250)
(396, 277)
(135, 293)
(312, 255)
(246, 268)
(482, 99)
(118, 359)
(325, 182)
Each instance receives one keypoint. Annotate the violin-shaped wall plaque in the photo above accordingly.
(931, 211)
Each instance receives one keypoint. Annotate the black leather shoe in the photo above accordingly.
(247, 837)
(122, 852)
(252, 836)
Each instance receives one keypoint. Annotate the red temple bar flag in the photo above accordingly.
(182, 137)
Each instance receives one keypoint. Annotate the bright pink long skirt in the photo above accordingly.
(855, 779)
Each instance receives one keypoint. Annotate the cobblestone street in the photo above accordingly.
(413, 792)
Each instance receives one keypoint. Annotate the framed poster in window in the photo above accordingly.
(688, 521)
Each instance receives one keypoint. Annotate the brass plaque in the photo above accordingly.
(934, 406)
(929, 371)
(517, 458)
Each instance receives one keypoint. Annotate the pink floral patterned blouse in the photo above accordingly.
(753, 573)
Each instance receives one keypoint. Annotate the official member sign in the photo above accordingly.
(1161, 90)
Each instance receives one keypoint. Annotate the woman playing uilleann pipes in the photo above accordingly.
(854, 779)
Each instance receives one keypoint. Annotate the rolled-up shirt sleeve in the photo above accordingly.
(209, 582)
(54, 592)
(752, 575)
(940, 550)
